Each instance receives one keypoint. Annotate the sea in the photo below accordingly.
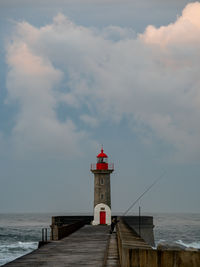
(20, 233)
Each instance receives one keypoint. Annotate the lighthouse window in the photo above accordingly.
(101, 196)
(101, 181)
(102, 160)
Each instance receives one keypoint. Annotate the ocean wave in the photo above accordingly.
(189, 245)
(195, 244)
(20, 245)
(9, 252)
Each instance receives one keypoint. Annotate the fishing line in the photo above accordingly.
(132, 205)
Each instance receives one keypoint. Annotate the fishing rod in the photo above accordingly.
(132, 205)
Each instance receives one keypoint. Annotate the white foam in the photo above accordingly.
(195, 244)
(189, 245)
(28, 245)
(23, 245)
(9, 252)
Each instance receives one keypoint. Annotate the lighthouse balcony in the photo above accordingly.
(102, 166)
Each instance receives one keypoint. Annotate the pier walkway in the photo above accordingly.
(112, 258)
(85, 247)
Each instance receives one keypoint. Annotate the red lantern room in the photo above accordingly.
(102, 161)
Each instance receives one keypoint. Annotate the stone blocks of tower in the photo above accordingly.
(102, 191)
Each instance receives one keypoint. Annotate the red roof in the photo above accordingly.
(102, 154)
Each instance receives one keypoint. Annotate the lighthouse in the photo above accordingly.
(102, 193)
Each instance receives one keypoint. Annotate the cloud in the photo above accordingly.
(184, 31)
(89, 120)
(32, 82)
(151, 79)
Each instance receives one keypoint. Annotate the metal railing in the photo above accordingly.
(44, 234)
(94, 166)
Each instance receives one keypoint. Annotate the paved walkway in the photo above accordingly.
(113, 255)
(85, 247)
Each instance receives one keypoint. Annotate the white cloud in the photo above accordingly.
(184, 31)
(31, 82)
(152, 79)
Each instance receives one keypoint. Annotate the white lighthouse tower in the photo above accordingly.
(102, 192)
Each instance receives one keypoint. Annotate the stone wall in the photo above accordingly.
(143, 226)
(60, 220)
(160, 258)
(134, 252)
(60, 231)
(62, 226)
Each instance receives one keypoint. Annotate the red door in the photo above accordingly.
(102, 217)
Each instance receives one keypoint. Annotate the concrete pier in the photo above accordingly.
(143, 226)
(112, 257)
(135, 252)
(85, 247)
(95, 246)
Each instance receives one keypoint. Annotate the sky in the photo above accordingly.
(76, 75)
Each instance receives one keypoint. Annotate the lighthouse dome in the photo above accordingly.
(102, 154)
